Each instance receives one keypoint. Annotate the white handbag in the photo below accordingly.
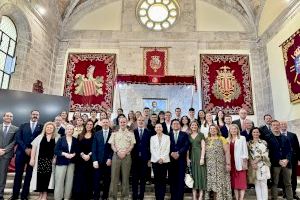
(188, 179)
(263, 173)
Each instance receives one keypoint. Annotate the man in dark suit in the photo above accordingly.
(177, 113)
(246, 133)
(167, 124)
(225, 129)
(102, 157)
(140, 155)
(292, 137)
(151, 125)
(60, 130)
(24, 136)
(7, 142)
(178, 150)
(265, 130)
(280, 153)
(241, 123)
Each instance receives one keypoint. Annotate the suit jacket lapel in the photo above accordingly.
(1, 135)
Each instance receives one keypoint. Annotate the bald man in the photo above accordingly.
(241, 122)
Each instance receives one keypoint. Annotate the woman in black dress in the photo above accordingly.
(83, 183)
(42, 158)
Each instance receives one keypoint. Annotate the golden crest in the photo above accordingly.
(155, 63)
(226, 87)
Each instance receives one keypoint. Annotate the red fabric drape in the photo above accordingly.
(226, 83)
(291, 56)
(155, 61)
(166, 80)
(90, 80)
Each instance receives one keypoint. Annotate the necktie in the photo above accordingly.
(105, 136)
(5, 131)
(176, 137)
(141, 133)
(32, 127)
(243, 124)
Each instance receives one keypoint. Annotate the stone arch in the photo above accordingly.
(82, 10)
(23, 40)
(236, 10)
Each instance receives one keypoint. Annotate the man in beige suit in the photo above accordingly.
(7, 143)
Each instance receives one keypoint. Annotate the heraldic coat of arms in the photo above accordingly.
(88, 86)
(226, 87)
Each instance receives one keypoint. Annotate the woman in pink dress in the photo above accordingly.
(239, 161)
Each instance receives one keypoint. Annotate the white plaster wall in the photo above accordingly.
(283, 109)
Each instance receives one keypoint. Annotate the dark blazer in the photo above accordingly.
(264, 132)
(8, 142)
(151, 129)
(247, 135)
(182, 146)
(238, 123)
(24, 137)
(61, 131)
(165, 129)
(279, 151)
(224, 131)
(295, 146)
(141, 148)
(101, 150)
(62, 146)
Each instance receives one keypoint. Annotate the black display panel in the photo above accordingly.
(21, 103)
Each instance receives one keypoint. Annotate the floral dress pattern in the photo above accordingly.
(218, 179)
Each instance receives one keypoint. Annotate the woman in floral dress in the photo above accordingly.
(218, 165)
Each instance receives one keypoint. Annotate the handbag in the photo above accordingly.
(188, 179)
(263, 173)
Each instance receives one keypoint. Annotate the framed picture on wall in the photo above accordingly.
(156, 104)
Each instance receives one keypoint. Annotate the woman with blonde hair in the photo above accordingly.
(239, 161)
(196, 156)
(65, 150)
(207, 123)
(42, 159)
(217, 165)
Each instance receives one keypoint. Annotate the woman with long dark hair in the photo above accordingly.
(201, 117)
(185, 124)
(219, 119)
(83, 180)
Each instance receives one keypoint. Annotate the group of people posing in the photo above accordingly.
(86, 157)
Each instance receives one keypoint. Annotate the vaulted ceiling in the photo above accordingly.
(249, 12)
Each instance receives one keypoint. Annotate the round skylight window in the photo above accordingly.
(157, 15)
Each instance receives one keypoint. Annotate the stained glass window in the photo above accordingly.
(8, 41)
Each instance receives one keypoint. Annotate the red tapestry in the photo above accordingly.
(226, 83)
(291, 56)
(166, 80)
(90, 81)
(155, 61)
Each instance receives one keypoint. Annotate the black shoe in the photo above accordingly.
(296, 197)
(12, 198)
